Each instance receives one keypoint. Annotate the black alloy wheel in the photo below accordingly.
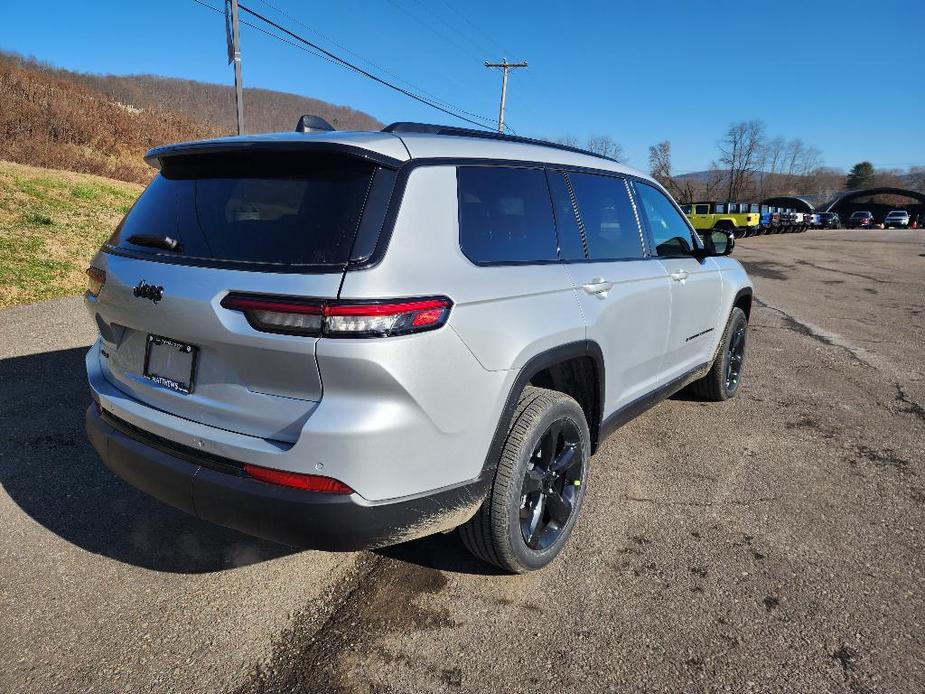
(735, 358)
(538, 487)
(551, 485)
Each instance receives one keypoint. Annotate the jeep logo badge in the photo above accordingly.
(143, 290)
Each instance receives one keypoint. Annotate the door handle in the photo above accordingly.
(679, 275)
(598, 286)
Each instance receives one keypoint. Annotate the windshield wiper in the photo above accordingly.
(155, 241)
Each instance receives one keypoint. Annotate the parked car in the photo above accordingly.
(785, 220)
(795, 221)
(860, 220)
(735, 217)
(471, 338)
(777, 220)
(829, 220)
(897, 218)
(767, 219)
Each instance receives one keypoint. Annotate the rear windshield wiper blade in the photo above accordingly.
(155, 241)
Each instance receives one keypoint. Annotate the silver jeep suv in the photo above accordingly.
(344, 340)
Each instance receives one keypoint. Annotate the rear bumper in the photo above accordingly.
(218, 491)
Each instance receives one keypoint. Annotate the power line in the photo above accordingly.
(434, 97)
(332, 57)
(476, 27)
(434, 31)
(275, 36)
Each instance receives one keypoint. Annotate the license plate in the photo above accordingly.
(170, 363)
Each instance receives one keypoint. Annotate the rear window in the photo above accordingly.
(290, 209)
(505, 215)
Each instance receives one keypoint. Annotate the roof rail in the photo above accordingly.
(432, 129)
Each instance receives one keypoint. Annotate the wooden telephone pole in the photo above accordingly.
(506, 67)
(233, 37)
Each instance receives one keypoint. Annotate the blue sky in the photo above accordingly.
(640, 72)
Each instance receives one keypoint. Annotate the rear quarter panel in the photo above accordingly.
(502, 315)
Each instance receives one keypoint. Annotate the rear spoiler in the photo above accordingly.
(158, 155)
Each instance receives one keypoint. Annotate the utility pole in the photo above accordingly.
(506, 67)
(233, 37)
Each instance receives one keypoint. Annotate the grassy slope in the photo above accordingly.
(51, 224)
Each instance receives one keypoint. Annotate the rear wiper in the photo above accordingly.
(155, 241)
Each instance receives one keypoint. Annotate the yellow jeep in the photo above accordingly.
(739, 217)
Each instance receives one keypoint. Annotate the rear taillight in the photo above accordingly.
(271, 315)
(297, 480)
(340, 318)
(96, 278)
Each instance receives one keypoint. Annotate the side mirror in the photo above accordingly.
(718, 242)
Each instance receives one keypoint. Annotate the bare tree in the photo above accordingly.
(740, 155)
(823, 183)
(916, 178)
(660, 168)
(660, 161)
(606, 146)
(567, 140)
(711, 185)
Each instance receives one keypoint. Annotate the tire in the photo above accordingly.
(498, 533)
(718, 385)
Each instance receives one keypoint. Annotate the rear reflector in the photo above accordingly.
(340, 318)
(96, 278)
(297, 480)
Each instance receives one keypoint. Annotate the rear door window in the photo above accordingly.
(283, 210)
(607, 217)
(505, 215)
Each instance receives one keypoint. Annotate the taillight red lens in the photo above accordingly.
(278, 315)
(341, 318)
(96, 278)
(385, 319)
(297, 480)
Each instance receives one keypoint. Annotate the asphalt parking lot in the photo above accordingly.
(771, 543)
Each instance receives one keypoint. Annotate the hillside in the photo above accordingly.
(103, 124)
(51, 224)
(265, 110)
(48, 119)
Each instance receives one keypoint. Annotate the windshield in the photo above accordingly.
(289, 209)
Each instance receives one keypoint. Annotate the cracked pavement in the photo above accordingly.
(770, 543)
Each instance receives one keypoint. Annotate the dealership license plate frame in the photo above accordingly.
(171, 381)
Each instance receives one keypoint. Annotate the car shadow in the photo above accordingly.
(444, 551)
(49, 469)
(686, 395)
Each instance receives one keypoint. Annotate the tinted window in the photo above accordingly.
(670, 233)
(686, 209)
(607, 216)
(570, 245)
(288, 210)
(505, 215)
(702, 209)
